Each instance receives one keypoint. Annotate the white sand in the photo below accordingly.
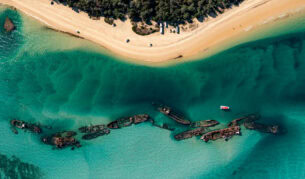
(210, 34)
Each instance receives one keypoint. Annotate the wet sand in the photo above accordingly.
(202, 41)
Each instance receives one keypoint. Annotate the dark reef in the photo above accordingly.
(9, 26)
(14, 168)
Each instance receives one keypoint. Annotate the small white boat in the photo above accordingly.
(225, 108)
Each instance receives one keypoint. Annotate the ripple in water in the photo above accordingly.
(12, 41)
(67, 89)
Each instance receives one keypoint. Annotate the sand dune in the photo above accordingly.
(209, 35)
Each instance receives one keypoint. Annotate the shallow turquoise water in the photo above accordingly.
(70, 88)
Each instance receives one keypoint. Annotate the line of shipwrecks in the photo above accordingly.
(198, 128)
(68, 138)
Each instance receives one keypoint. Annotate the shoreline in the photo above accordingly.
(211, 36)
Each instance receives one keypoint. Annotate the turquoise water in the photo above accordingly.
(72, 87)
(10, 42)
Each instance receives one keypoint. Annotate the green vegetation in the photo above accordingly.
(143, 29)
(173, 11)
(109, 21)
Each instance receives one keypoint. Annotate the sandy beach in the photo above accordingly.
(208, 35)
